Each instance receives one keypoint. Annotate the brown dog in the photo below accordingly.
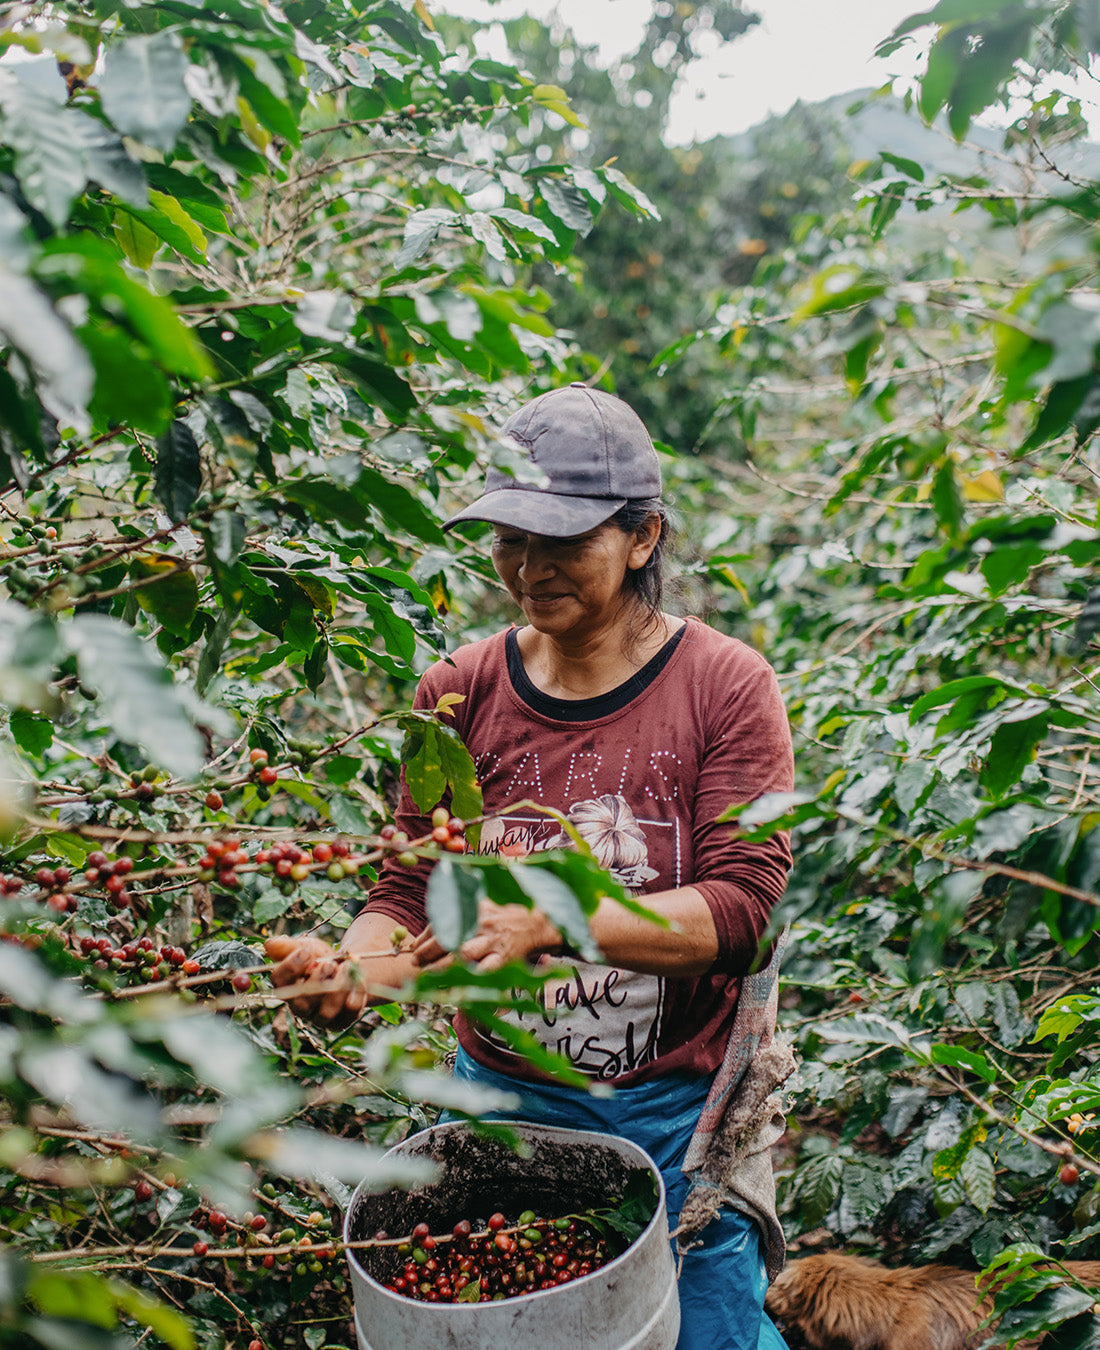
(835, 1302)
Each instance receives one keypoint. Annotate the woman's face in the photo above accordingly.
(571, 588)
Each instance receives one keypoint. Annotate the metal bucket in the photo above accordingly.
(629, 1304)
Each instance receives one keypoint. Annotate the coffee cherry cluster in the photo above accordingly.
(145, 784)
(447, 831)
(110, 873)
(220, 862)
(290, 863)
(53, 881)
(141, 959)
(262, 774)
(44, 562)
(287, 862)
(441, 112)
(487, 1262)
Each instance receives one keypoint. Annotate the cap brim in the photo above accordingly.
(554, 514)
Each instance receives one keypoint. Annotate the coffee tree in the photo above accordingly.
(914, 545)
(263, 280)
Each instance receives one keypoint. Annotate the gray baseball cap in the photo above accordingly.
(592, 448)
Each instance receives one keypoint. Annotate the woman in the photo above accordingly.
(642, 729)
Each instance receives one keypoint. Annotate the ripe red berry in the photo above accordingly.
(201, 1248)
(214, 800)
(496, 1223)
(44, 877)
(96, 859)
(242, 982)
(255, 1345)
(61, 876)
(190, 967)
(322, 853)
(268, 776)
(257, 756)
(122, 866)
(143, 1190)
(258, 1222)
(1069, 1175)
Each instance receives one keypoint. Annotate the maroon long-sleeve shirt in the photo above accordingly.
(643, 773)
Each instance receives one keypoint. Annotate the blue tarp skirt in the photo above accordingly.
(722, 1282)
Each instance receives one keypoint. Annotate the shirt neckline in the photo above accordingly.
(584, 709)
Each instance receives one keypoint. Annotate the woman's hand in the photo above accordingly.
(308, 960)
(504, 933)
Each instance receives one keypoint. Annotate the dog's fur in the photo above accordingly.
(836, 1302)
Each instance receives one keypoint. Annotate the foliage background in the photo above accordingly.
(266, 278)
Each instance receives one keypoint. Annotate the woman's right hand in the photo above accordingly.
(308, 960)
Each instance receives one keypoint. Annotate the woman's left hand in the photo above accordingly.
(504, 933)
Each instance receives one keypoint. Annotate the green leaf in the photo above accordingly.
(947, 499)
(909, 167)
(142, 88)
(423, 763)
(49, 157)
(137, 694)
(959, 1057)
(168, 1325)
(629, 194)
(179, 470)
(819, 1188)
(421, 230)
(839, 287)
(970, 688)
(1044, 1312)
(453, 894)
(461, 774)
(61, 366)
(129, 391)
(986, 66)
(136, 240)
(31, 733)
(174, 600)
(979, 1179)
(567, 202)
(74, 1297)
(1010, 752)
(90, 266)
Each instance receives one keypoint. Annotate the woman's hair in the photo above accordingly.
(646, 584)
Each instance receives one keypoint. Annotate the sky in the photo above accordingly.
(802, 49)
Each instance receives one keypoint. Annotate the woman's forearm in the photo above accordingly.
(688, 947)
(369, 941)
